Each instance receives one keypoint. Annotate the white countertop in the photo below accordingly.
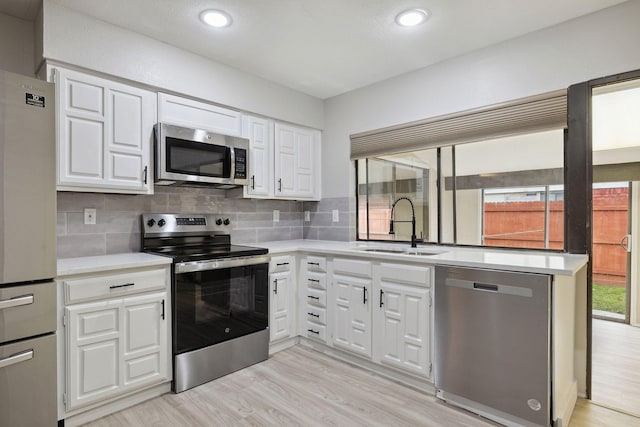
(499, 259)
(93, 264)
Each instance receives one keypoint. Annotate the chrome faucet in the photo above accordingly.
(414, 240)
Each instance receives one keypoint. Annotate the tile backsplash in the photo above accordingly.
(118, 225)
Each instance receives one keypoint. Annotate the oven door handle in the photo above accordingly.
(218, 264)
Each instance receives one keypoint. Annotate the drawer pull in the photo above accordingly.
(313, 314)
(381, 294)
(125, 285)
(314, 280)
(312, 297)
(16, 358)
(317, 264)
(162, 314)
(16, 301)
(364, 295)
(275, 286)
(280, 264)
(313, 332)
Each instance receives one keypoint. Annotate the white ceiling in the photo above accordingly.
(327, 47)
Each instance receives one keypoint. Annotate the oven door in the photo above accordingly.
(217, 301)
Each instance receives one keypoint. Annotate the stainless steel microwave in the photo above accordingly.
(185, 156)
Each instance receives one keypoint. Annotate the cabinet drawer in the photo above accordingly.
(316, 297)
(352, 267)
(108, 285)
(408, 274)
(316, 280)
(281, 263)
(316, 314)
(313, 330)
(316, 263)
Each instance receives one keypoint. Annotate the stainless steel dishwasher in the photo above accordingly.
(492, 343)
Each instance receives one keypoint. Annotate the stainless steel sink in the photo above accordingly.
(404, 251)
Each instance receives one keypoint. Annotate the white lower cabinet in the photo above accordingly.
(402, 318)
(282, 298)
(115, 346)
(115, 337)
(351, 304)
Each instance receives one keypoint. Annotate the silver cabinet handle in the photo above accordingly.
(17, 301)
(16, 358)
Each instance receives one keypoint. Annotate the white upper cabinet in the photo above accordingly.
(198, 115)
(104, 134)
(284, 160)
(297, 162)
(260, 134)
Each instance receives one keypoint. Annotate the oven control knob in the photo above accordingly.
(161, 223)
(151, 222)
(227, 222)
(219, 221)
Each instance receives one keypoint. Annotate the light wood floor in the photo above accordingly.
(615, 377)
(301, 387)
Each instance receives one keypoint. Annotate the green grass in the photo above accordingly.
(609, 298)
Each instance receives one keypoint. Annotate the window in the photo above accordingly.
(506, 192)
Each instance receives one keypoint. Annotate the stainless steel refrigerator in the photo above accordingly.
(27, 252)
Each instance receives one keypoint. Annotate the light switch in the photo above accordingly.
(336, 215)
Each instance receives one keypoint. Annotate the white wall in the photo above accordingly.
(588, 47)
(84, 41)
(16, 45)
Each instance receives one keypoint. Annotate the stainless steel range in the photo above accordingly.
(220, 297)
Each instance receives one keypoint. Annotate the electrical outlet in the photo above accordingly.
(89, 216)
(276, 215)
(307, 216)
(336, 215)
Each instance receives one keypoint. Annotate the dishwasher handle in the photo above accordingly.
(469, 285)
(485, 287)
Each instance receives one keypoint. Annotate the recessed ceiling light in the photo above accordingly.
(216, 18)
(412, 17)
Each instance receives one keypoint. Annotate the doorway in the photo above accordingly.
(615, 326)
(611, 251)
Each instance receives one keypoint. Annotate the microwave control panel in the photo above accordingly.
(241, 163)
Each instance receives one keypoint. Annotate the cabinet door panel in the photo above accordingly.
(84, 97)
(352, 311)
(98, 365)
(403, 327)
(142, 326)
(142, 368)
(93, 348)
(145, 343)
(84, 150)
(127, 120)
(126, 167)
(296, 161)
(260, 157)
(281, 314)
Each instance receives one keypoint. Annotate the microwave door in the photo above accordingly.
(188, 160)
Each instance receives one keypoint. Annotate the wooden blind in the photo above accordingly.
(532, 114)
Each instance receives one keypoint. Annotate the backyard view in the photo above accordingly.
(514, 221)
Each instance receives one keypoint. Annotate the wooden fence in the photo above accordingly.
(521, 225)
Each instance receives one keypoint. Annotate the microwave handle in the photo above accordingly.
(232, 170)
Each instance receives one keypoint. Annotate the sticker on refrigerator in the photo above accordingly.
(35, 100)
